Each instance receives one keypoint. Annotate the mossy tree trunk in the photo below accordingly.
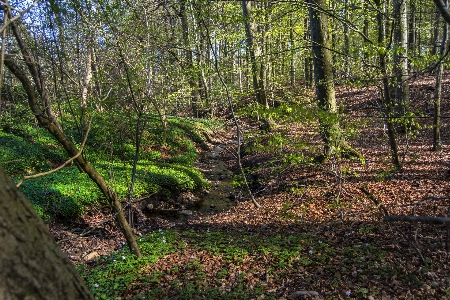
(32, 264)
(323, 77)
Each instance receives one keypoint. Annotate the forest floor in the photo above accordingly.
(333, 211)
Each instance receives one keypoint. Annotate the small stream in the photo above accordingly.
(220, 197)
(222, 194)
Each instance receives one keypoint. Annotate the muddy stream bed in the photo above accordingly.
(221, 196)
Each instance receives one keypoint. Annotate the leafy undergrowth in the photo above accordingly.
(68, 193)
(237, 264)
(319, 230)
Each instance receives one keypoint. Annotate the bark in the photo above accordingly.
(346, 42)
(438, 94)
(86, 81)
(292, 53)
(401, 87)
(257, 85)
(412, 29)
(308, 60)
(32, 264)
(416, 219)
(323, 76)
(2, 55)
(435, 39)
(443, 9)
(386, 98)
(192, 73)
(72, 150)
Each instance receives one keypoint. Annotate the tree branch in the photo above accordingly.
(440, 4)
(61, 166)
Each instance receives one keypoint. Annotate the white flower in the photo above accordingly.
(123, 257)
(96, 285)
(347, 293)
(310, 251)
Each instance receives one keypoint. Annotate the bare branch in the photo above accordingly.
(61, 166)
(5, 6)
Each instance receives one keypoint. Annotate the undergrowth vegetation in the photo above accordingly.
(162, 166)
(227, 265)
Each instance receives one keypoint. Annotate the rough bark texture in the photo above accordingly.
(442, 7)
(323, 75)
(31, 264)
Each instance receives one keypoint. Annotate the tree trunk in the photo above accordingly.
(438, 93)
(346, 42)
(72, 150)
(401, 87)
(32, 264)
(292, 53)
(257, 86)
(308, 60)
(386, 98)
(412, 30)
(192, 73)
(323, 77)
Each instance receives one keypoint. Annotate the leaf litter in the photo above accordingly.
(317, 234)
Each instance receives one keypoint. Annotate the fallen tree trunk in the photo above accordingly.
(416, 219)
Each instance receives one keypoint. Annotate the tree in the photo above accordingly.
(33, 266)
(438, 93)
(388, 107)
(48, 120)
(323, 77)
(401, 87)
(258, 85)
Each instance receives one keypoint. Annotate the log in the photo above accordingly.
(416, 219)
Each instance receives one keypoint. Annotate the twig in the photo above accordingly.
(61, 166)
(387, 217)
(375, 200)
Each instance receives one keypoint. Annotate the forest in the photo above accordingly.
(199, 149)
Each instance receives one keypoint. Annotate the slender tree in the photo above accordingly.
(438, 92)
(47, 119)
(258, 87)
(387, 104)
(401, 85)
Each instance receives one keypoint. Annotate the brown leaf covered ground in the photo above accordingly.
(332, 204)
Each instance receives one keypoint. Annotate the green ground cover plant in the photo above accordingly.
(208, 264)
(68, 193)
